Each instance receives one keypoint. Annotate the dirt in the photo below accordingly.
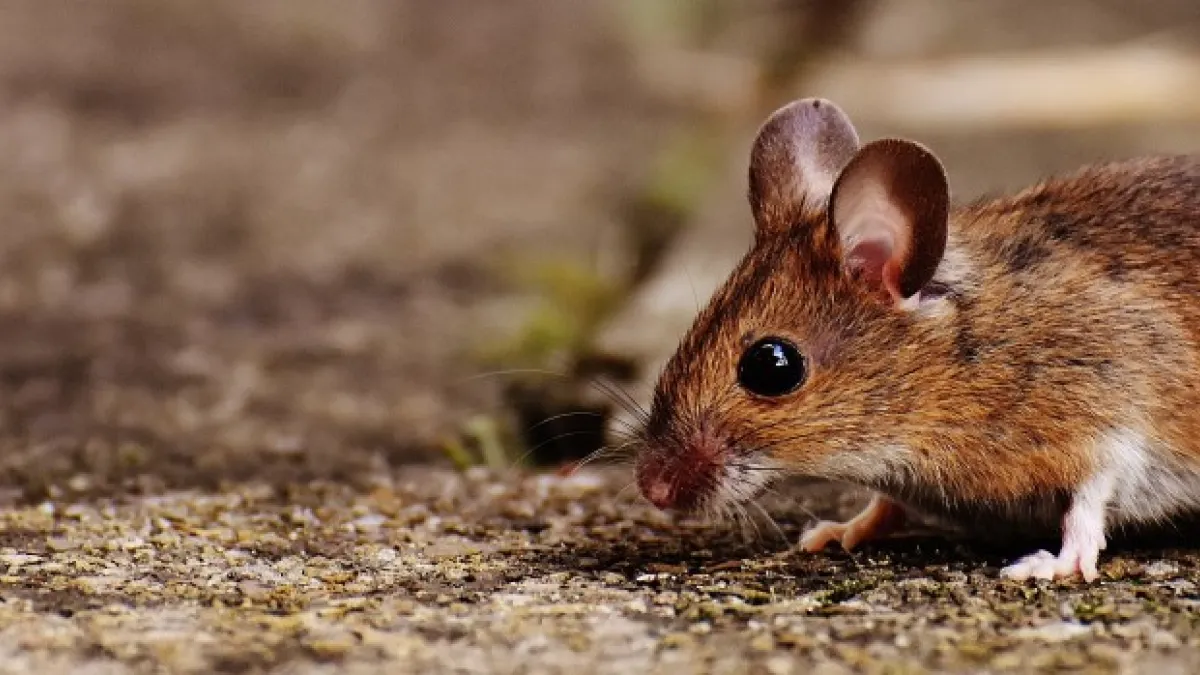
(435, 571)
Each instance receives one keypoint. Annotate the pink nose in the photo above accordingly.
(675, 483)
(659, 493)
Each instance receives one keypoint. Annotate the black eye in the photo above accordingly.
(771, 367)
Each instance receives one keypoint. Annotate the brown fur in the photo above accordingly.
(1069, 309)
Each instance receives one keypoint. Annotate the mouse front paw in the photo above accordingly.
(880, 518)
(820, 535)
(1083, 540)
(1076, 557)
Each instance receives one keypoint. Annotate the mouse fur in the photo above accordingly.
(1024, 362)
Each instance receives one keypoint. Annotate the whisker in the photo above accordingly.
(591, 456)
(561, 416)
(510, 371)
(626, 434)
(728, 515)
(525, 455)
(620, 402)
(621, 492)
(750, 528)
(778, 530)
(627, 401)
(628, 429)
(799, 505)
(614, 392)
(695, 296)
(754, 524)
(604, 451)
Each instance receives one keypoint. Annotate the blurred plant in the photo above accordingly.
(482, 440)
(573, 299)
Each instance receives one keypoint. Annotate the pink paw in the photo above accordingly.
(817, 537)
(880, 518)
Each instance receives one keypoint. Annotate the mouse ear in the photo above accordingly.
(890, 207)
(796, 158)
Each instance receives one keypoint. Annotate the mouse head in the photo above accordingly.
(798, 362)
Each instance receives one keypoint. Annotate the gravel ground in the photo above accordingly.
(434, 571)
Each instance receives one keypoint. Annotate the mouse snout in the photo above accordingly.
(672, 483)
(662, 486)
(659, 492)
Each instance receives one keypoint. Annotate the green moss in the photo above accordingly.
(846, 589)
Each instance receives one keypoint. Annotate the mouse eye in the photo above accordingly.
(771, 367)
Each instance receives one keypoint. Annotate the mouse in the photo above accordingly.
(1026, 362)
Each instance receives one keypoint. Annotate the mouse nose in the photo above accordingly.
(659, 493)
(657, 483)
(680, 474)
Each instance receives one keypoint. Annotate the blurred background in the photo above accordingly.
(284, 240)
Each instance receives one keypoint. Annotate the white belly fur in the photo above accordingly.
(1148, 485)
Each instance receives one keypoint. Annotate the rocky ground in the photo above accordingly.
(435, 571)
(249, 259)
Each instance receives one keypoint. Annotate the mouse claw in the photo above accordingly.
(1047, 566)
(881, 517)
(1079, 556)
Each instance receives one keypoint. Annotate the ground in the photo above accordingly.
(250, 256)
(438, 571)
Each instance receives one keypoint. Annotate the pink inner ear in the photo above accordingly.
(875, 235)
(868, 258)
(890, 207)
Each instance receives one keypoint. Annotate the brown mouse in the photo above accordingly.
(1029, 362)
